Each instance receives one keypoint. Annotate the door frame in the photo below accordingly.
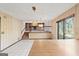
(0, 33)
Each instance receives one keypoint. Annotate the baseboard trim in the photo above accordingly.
(10, 45)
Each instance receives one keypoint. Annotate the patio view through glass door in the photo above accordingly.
(65, 28)
(60, 30)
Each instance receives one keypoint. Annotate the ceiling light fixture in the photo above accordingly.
(34, 8)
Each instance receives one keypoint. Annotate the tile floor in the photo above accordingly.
(21, 48)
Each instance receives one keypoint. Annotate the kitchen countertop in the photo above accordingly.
(38, 31)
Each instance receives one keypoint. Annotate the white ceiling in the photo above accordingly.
(44, 11)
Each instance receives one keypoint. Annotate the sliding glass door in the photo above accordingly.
(65, 28)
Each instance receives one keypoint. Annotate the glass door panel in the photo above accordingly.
(60, 30)
(69, 33)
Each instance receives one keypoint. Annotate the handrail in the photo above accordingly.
(22, 30)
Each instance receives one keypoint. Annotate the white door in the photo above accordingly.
(3, 32)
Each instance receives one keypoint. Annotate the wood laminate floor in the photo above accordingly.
(68, 47)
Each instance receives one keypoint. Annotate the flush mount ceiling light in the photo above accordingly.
(34, 8)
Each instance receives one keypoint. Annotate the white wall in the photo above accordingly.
(12, 28)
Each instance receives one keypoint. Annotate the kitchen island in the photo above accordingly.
(39, 34)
